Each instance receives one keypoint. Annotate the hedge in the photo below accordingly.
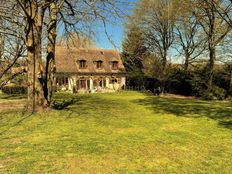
(14, 89)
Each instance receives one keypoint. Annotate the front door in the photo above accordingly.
(82, 84)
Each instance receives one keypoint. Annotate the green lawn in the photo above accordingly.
(127, 132)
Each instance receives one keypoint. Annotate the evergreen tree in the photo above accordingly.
(134, 51)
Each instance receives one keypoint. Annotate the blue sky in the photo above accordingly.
(116, 31)
(116, 34)
(114, 28)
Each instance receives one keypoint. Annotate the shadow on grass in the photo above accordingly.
(73, 106)
(62, 102)
(13, 96)
(226, 124)
(220, 111)
(60, 105)
(95, 106)
(17, 122)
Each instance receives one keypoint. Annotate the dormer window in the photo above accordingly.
(99, 64)
(115, 65)
(82, 64)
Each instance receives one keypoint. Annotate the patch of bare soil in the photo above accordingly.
(8, 105)
(178, 96)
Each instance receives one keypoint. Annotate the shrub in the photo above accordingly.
(229, 93)
(219, 93)
(14, 89)
(184, 82)
(215, 94)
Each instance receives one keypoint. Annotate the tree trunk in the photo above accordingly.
(211, 45)
(212, 55)
(164, 72)
(186, 63)
(50, 59)
(2, 44)
(36, 99)
(230, 85)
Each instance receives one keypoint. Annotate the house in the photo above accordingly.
(89, 70)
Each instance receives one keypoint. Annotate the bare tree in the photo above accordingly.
(12, 47)
(190, 41)
(76, 40)
(225, 57)
(224, 10)
(8, 60)
(157, 19)
(215, 29)
(50, 58)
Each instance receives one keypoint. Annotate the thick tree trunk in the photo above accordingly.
(212, 55)
(50, 59)
(211, 46)
(186, 63)
(36, 99)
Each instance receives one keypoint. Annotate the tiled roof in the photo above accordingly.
(67, 60)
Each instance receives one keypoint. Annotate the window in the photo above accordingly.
(112, 81)
(62, 80)
(102, 83)
(99, 64)
(82, 84)
(115, 65)
(82, 64)
(95, 83)
(59, 81)
(66, 80)
(88, 84)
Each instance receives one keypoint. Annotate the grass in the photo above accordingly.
(127, 132)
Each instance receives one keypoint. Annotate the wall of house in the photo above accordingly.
(92, 83)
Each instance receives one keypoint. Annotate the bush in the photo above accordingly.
(215, 94)
(229, 99)
(14, 89)
(229, 93)
(183, 82)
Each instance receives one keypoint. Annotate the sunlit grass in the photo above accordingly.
(127, 132)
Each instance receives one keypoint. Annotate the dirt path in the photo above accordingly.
(8, 105)
(179, 96)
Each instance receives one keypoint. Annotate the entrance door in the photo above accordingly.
(82, 84)
(88, 84)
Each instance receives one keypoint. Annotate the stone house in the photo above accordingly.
(89, 70)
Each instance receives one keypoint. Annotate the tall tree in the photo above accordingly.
(224, 11)
(134, 51)
(156, 20)
(50, 58)
(215, 29)
(34, 13)
(76, 40)
(190, 41)
(12, 47)
(225, 57)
